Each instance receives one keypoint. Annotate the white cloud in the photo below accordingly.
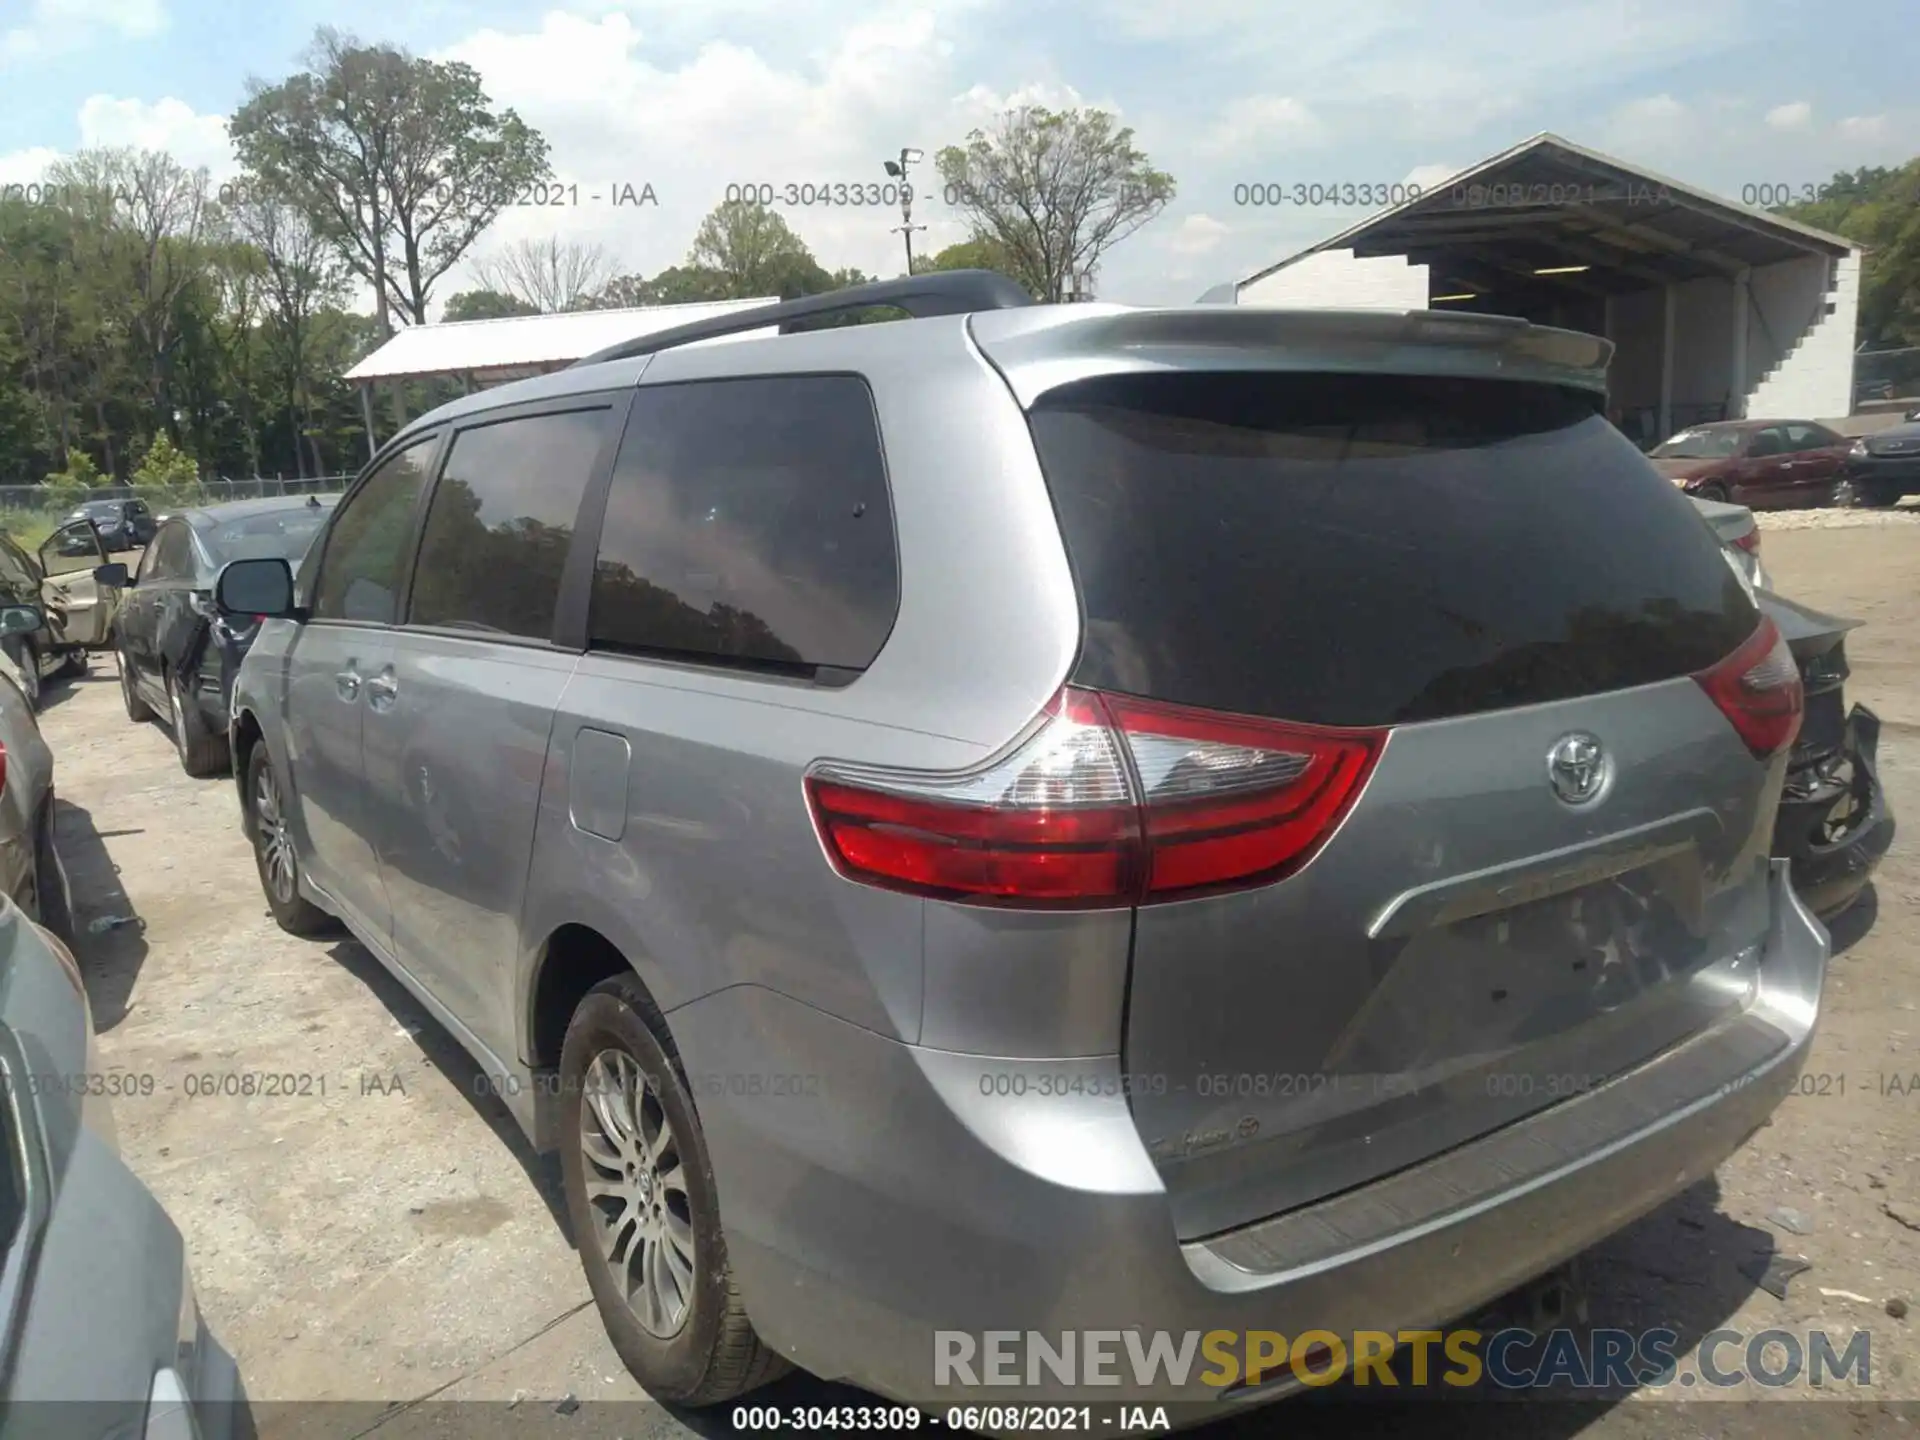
(613, 111)
(1257, 125)
(26, 167)
(1430, 177)
(1864, 127)
(1794, 115)
(166, 124)
(57, 27)
(1197, 235)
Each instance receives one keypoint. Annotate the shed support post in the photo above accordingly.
(366, 414)
(1666, 363)
(1737, 391)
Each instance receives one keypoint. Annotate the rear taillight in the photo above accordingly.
(1109, 801)
(1758, 688)
(1749, 542)
(3, 755)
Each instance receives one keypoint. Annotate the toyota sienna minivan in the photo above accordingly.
(1048, 818)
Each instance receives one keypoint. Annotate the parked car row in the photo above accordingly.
(1048, 701)
(1779, 464)
(59, 584)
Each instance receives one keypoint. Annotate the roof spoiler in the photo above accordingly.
(944, 292)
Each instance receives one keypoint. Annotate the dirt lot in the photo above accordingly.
(380, 1234)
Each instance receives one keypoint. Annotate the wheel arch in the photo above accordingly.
(572, 959)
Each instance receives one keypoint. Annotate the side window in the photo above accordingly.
(1765, 442)
(748, 522)
(500, 521)
(366, 546)
(16, 571)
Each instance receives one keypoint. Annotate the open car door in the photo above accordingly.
(79, 612)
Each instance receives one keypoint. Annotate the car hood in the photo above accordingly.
(1678, 469)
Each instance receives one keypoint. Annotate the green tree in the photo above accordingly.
(1879, 208)
(399, 161)
(753, 251)
(1055, 191)
(486, 305)
(980, 252)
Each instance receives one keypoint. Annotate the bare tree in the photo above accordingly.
(1052, 192)
(551, 275)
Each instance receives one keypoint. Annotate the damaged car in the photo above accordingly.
(1834, 823)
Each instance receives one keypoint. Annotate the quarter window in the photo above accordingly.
(748, 523)
(366, 547)
(500, 522)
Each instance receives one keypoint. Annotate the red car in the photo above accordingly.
(1764, 464)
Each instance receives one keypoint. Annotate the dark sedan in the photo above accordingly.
(123, 524)
(1763, 464)
(177, 653)
(1885, 466)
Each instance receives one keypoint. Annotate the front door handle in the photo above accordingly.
(381, 690)
(347, 682)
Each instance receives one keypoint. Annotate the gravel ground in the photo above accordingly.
(1823, 518)
(378, 1234)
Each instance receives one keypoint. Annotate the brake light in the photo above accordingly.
(1109, 801)
(1749, 542)
(3, 764)
(1758, 689)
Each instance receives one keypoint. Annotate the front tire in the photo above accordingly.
(202, 751)
(642, 1204)
(273, 853)
(1714, 491)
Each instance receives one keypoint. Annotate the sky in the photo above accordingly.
(691, 95)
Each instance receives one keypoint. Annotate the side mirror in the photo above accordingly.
(20, 619)
(255, 587)
(112, 575)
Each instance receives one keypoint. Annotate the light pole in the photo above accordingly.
(898, 169)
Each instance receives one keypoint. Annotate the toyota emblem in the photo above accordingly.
(1577, 768)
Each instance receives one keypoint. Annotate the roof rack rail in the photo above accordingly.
(945, 292)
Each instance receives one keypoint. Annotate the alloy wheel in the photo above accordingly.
(635, 1182)
(272, 835)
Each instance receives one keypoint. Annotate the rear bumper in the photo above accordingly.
(875, 1192)
(1830, 875)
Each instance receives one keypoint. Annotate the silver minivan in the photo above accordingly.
(1047, 818)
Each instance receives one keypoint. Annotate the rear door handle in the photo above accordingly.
(381, 690)
(347, 682)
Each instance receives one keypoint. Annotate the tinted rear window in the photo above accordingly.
(1367, 550)
(278, 534)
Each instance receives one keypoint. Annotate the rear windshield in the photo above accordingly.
(1368, 550)
(277, 535)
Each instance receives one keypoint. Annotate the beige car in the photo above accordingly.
(57, 580)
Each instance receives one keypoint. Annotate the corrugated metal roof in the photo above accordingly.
(527, 344)
(1548, 143)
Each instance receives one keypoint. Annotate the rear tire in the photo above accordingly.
(638, 1134)
(1714, 491)
(138, 711)
(273, 853)
(202, 751)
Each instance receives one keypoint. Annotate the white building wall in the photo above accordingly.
(1801, 358)
(1339, 279)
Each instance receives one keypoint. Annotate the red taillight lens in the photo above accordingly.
(1749, 542)
(3, 754)
(1758, 688)
(1111, 801)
